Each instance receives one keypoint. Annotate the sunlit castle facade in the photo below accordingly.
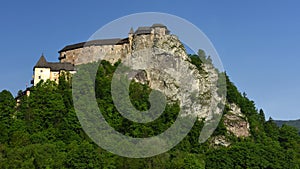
(86, 52)
(44, 70)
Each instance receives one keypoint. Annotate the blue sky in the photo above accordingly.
(257, 41)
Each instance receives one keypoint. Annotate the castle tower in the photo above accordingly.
(41, 70)
(160, 29)
(44, 70)
(130, 38)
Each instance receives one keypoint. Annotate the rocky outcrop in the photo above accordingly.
(171, 44)
(236, 122)
(220, 141)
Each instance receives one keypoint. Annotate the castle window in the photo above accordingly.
(41, 71)
(40, 77)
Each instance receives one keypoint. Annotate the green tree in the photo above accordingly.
(7, 109)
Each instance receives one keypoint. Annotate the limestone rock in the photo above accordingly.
(236, 122)
(220, 141)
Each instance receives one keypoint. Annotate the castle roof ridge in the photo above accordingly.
(55, 66)
(112, 41)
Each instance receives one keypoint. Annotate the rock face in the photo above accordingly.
(168, 69)
(220, 141)
(162, 63)
(236, 122)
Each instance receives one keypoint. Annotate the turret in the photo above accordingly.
(160, 29)
(130, 38)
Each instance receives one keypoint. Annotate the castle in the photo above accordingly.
(44, 70)
(86, 52)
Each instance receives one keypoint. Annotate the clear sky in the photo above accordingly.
(257, 41)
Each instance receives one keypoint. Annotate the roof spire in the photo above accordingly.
(41, 63)
(131, 31)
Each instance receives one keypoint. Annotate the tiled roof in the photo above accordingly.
(54, 66)
(91, 43)
(143, 30)
(41, 63)
(116, 41)
(122, 41)
(158, 25)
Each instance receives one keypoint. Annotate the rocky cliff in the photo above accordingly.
(236, 122)
(168, 69)
(163, 64)
(158, 59)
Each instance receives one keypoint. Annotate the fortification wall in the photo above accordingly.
(111, 53)
(157, 38)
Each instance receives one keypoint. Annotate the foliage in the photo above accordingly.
(294, 123)
(44, 132)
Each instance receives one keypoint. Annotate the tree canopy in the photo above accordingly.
(44, 132)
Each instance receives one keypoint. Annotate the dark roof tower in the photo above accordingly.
(159, 25)
(41, 63)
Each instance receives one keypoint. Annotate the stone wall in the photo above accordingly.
(111, 53)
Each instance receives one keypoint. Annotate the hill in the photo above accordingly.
(45, 129)
(44, 132)
(294, 123)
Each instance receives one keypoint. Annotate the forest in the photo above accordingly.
(44, 132)
(294, 123)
